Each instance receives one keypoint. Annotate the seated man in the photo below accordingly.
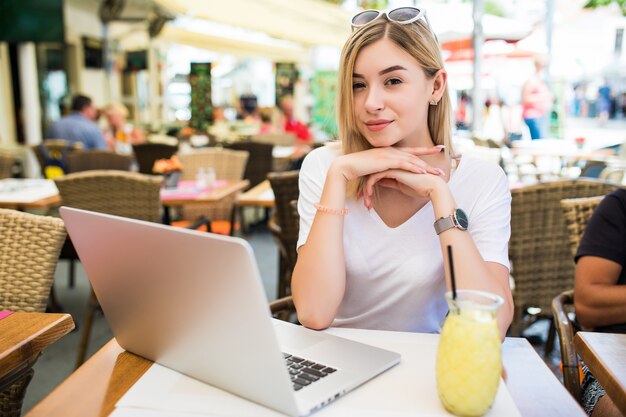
(600, 287)
(79, 126)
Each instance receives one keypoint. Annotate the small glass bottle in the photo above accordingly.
(211, 176)
(201, 179)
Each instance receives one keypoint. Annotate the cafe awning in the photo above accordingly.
(238, 47)
(307, 22)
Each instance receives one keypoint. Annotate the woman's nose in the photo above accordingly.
(374, 101)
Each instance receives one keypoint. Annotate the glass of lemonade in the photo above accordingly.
(469, 357)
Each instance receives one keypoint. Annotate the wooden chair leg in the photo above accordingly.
(92, 306)
(281, 292)
(53, 304)
(72, 275)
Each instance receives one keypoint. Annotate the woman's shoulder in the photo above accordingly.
(322, 156)
(471, 165)
(475, 176)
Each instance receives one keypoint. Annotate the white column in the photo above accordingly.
(8, 134)
(154, 98)
(31, 106)
(478, 95)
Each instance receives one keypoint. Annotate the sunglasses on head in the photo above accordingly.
(401, 15)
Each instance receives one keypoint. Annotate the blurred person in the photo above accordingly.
(267, 125)
(493, 126)
(536, 99)
(292, 125)
(220, 126)
(603, 105)
(119, 134)
(381, 209)
(600, 287)
(248, 104)
(79, 126)
(463, 114)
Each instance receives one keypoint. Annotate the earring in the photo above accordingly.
(433, 102)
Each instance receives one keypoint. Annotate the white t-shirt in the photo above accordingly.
(395, 276)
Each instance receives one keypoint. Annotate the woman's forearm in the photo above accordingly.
(318, 280)
(470, 270)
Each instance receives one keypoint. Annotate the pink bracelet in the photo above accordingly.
(330, 210)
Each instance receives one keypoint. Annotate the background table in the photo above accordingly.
(224, 189)
(20, 194)
(23, 336)
(605, 355)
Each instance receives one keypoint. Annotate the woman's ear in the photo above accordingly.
(439, 84)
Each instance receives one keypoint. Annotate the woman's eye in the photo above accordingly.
(358, 85)
(393, 81)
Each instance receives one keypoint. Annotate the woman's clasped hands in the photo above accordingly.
(392, 167)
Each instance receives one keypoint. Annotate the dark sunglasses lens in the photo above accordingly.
(364, 18)
(403, 14)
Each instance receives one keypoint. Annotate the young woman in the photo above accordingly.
(378, 214)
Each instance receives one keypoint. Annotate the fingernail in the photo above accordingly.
(443, 174)
(441, 147)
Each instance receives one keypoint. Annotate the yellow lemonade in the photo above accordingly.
(469, 358)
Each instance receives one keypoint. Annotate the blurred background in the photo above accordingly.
(143, 54)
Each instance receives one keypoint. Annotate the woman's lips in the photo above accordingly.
(377, 126)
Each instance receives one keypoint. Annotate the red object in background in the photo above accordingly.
(462, 50)
(299, 129)
(580, 141)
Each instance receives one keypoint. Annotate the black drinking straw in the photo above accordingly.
(451, 264)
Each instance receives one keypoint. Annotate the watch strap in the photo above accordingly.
(444, 223)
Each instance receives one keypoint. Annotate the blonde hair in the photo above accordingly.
(418, 41)
(116, 108)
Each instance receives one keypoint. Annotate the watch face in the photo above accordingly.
(461, 219)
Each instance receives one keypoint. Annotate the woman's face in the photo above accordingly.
(116, 119)
(391, 95)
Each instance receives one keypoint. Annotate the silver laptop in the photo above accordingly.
(194, 302)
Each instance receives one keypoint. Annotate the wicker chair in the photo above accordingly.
(592, 169)
(94, 160)
(259, 161)
(228, 164)
(562, 307)
(125, 194)
(541, 261)
(258, 166)
(54, 150)
(284, 225)
(7, 161)
(278, 139)
(613, 174)
(147, 153)
(576, 212)
(29, 251)
(284, 309)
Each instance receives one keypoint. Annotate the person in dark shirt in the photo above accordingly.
(600, 287)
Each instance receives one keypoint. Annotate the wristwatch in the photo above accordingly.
(457, 219)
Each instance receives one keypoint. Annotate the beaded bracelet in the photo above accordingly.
(330, 210)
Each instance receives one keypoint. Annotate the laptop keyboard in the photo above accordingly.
(304, 372)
